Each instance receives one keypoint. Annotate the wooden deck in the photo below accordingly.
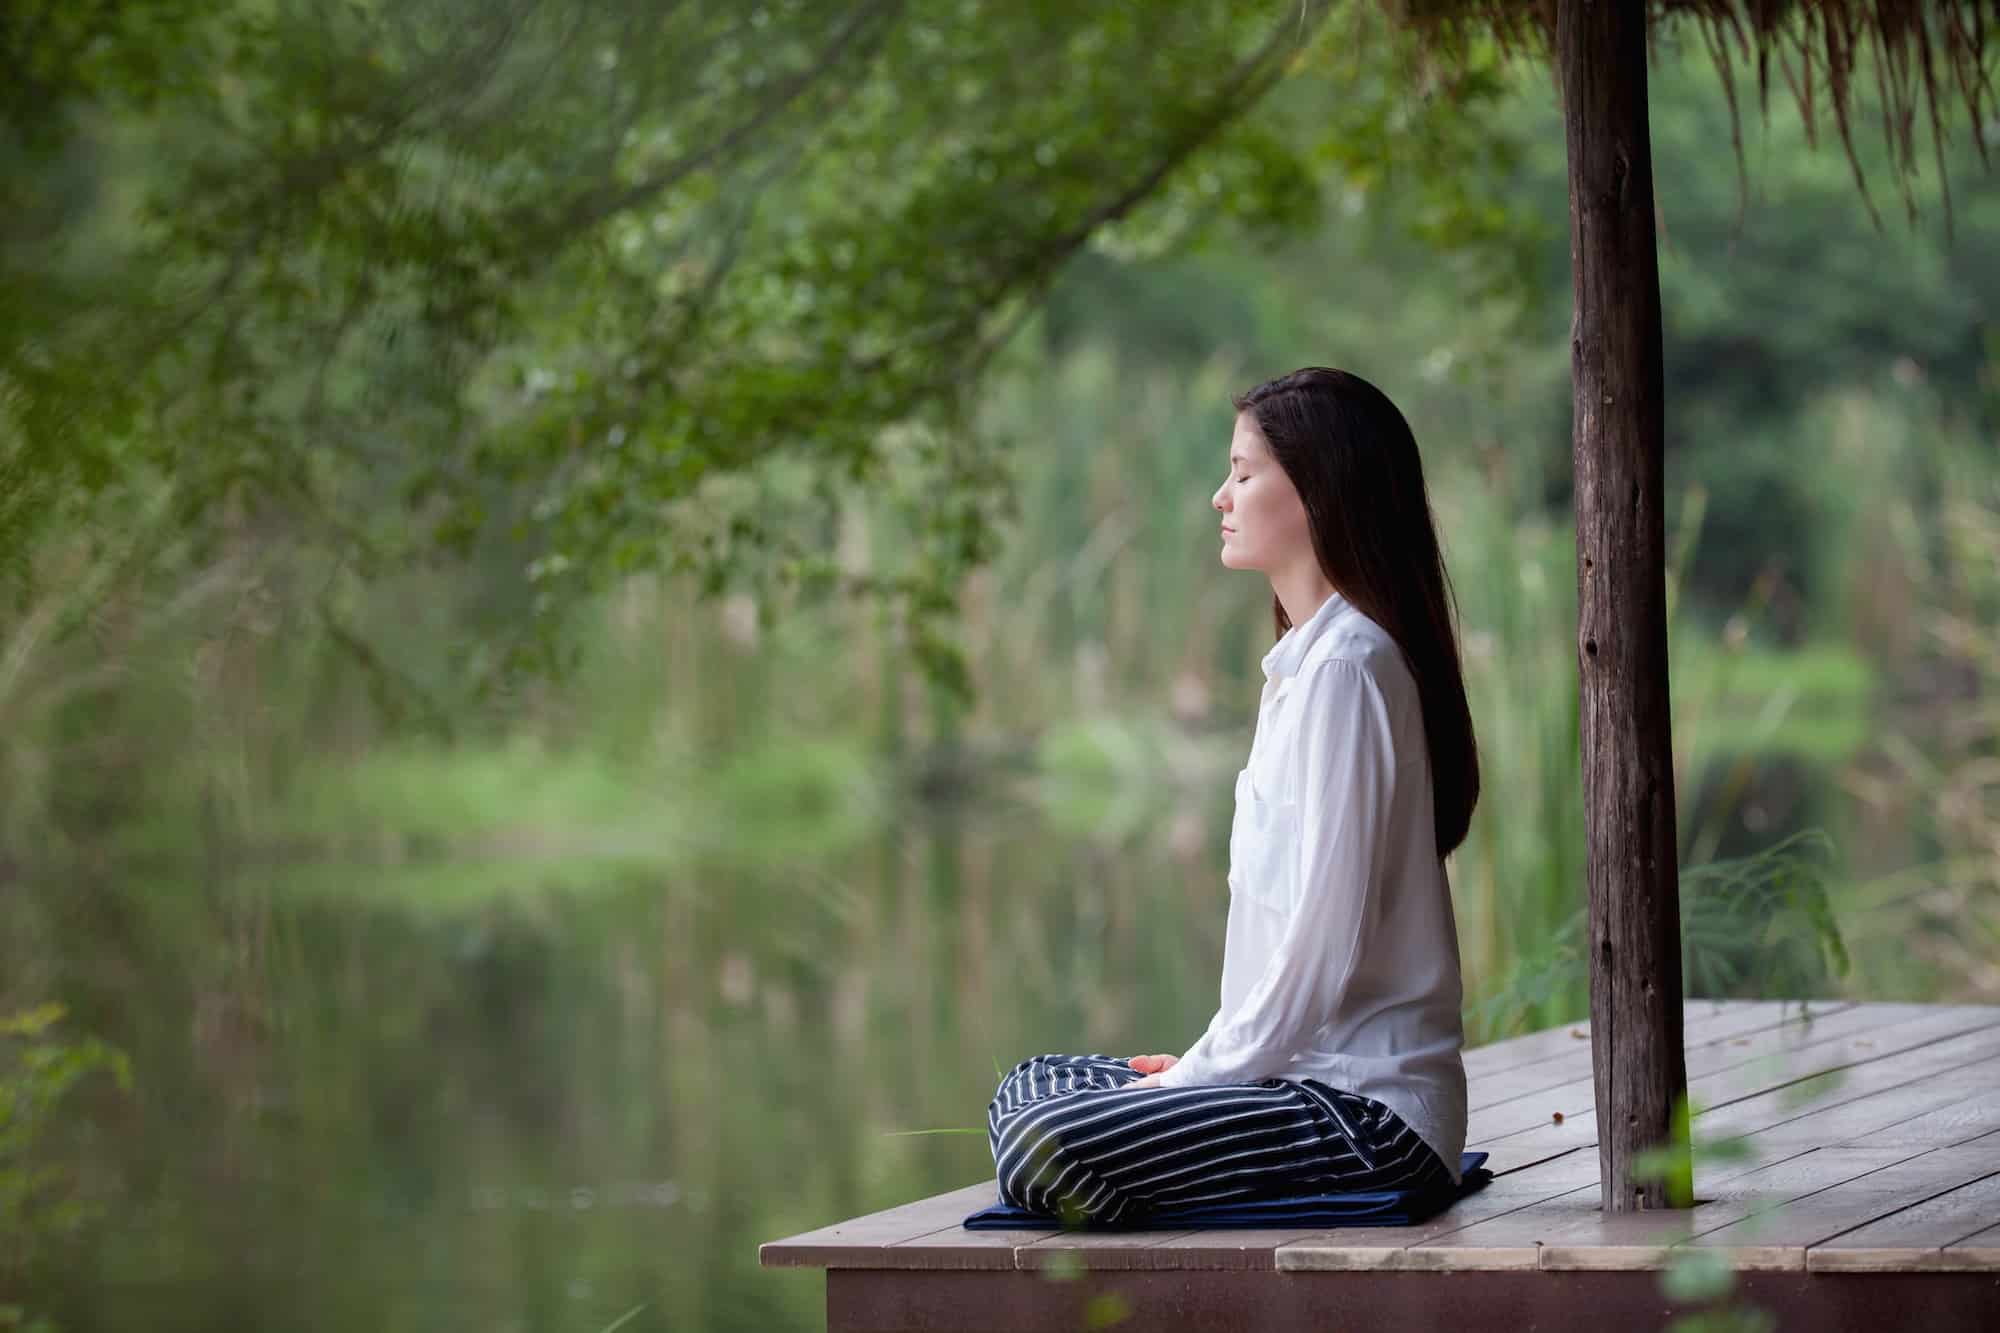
(1870, 1199)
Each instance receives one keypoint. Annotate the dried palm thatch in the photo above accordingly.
(1926, 55)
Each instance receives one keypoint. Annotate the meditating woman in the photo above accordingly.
(1333, 1063)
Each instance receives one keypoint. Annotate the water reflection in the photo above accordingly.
(543, 1105)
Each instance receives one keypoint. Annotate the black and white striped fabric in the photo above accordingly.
(1070, 1140)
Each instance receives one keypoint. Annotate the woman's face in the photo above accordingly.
(1263, 522)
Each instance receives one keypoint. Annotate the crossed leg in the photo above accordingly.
(1069, 1140)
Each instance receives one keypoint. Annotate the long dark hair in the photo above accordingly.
(1354, 462)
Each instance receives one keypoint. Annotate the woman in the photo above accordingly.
(1333, 1062)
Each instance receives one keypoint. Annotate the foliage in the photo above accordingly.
(562, 288)
(1778, 294)
(38, 1068)
(1935, 923)
(1762, 922)
(1759, 926)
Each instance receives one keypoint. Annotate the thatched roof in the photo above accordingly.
(1927, 56)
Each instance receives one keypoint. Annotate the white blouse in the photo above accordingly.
(1341, 960)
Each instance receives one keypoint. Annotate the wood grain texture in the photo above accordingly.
(1738, 1101)
(1625, 719)
(1979, 1251)
(1581, 1235)
(1839, 1087)
(1778, 1233)
(1349, 1248)
(1914, 1237)
(1725, 1033)
(1872, 1027)
(1934, 1112)
(1700, 1020)
(1109, 1251)
(1230, 1249)
(862, 1239)
(951, 1246)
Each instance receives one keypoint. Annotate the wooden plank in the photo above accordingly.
(1234, 1250)
(1728, 1049)
(954, 1248)
(1524, 1152)
(1778, 1233)
(1795, 1056)
(1918, 1052)
(1978, 1252)
(1933, 1112)
(1819, 1093)
(1559, 1041)
(1407, 1259)
(1954, 1121)
(1226, 1249)
(862, 1238)
(1545, 1044)
(1103, 1251)
(1913, 1239)
(1705, 1021)
(1704, 1018)
(1573, 1232)
(1527, 1147)
(1926, 1025)
(1957, 1122)
(1735, 1024)
(1715, 1020)
(1349, 1249)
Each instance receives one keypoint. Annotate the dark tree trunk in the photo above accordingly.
(1628, 780)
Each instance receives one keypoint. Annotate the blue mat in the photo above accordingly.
(1378, 1208)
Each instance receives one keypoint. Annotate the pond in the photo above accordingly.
(479, 1093)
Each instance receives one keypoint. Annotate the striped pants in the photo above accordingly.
(1068, 1140)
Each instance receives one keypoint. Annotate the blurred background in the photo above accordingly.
(607, 610)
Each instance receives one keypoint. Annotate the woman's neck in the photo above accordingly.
(1301, 592)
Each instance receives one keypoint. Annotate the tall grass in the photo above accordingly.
(1931, 927)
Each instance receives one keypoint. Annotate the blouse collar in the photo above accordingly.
(1288, 654)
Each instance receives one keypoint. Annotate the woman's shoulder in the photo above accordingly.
(1359, 645)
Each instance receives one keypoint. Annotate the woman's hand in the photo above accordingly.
(1152, 1066)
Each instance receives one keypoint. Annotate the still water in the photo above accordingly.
(495, 1093)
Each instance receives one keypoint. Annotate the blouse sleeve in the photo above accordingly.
(1347, 779)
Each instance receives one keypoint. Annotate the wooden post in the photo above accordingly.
(1628, 779)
